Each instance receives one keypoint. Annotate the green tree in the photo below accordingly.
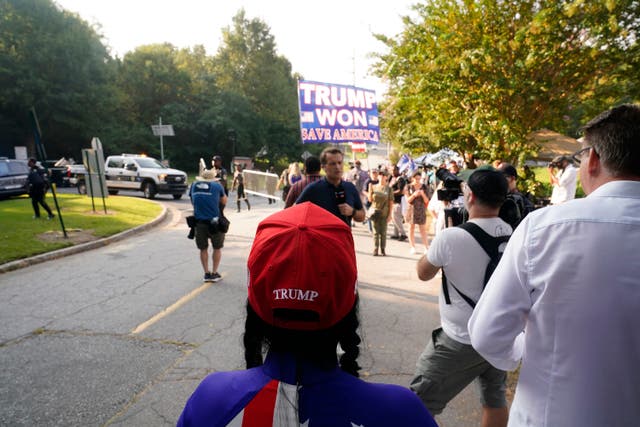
(54, 61)
(152, 86)
(180, 85)
(248, 66)
(480, 75)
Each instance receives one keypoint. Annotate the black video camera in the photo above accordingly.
(452, 185)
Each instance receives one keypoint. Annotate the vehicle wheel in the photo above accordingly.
(113, 192)
(82, 187)
(177, 196)
(149, 190)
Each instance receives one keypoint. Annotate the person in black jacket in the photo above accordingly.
(38, 185)
(517, 205)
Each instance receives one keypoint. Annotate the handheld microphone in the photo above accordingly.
(340, 195)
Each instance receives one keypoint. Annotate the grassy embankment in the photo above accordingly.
(22, 236)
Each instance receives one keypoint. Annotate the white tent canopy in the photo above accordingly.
(438, 157)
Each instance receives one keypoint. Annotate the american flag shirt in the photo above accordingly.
(267, 396)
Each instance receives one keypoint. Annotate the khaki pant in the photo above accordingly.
(380, 232)
(447, 366)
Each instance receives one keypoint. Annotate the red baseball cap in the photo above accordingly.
(302, 261)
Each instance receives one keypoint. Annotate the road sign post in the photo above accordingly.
(162, 130)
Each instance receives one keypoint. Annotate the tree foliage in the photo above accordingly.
(54, 61)
(248, 65)
(233, 103)
(480, 75)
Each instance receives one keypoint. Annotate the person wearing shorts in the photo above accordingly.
(447, 366)
(238, 184)
(208, 199)
(449, 363)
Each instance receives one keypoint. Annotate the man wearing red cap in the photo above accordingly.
(301, 305)
(339, 197)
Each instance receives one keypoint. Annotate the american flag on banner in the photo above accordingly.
(406, 163)
(358, 147)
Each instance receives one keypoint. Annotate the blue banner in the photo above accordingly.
(337, 113)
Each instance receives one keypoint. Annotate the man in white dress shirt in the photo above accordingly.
(565, 298)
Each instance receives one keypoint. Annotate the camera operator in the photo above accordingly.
(563, 180)
(449, 362)
(450, 194)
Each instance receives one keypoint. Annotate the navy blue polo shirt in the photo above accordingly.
(323, 194)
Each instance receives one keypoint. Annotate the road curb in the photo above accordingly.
(59, 253)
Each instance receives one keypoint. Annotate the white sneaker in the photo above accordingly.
(412, 251)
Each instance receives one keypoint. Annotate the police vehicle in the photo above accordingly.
(137, 172)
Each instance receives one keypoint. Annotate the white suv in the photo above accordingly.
(140, 173)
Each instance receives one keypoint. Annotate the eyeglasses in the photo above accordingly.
(577, 156)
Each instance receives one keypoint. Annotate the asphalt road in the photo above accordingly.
(122, 334)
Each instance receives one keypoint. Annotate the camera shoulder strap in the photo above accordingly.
(445, 292)
(491, 245)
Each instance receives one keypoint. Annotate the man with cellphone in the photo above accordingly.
(332, 193)
(564, 180)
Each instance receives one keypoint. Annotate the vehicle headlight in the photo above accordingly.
(162, 176)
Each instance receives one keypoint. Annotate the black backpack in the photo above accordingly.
(512, 210)
(515, 208)
(493, 246)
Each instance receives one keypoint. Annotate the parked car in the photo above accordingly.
(56, 170)
(13, 177)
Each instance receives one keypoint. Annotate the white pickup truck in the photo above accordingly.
(136, 172)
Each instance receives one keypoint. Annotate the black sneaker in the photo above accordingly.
(208, 277)
(395, 237)
(403, 238)
(215, 277)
